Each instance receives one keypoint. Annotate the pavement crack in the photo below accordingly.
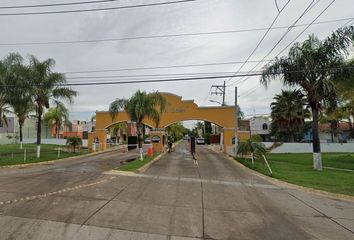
(110, 200)
(324, 215)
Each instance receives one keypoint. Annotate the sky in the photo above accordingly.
(180, 18)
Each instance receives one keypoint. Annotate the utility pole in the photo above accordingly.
(220, 90)
(236, 122)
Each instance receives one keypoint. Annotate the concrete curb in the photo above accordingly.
(148, 165)
(284, 184)
(49, 162)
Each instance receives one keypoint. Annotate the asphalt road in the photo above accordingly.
(177, 198)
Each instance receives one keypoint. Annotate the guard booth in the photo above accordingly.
(158, 140)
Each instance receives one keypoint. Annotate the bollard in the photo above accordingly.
(150, 152)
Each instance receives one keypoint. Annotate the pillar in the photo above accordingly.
(102, 138)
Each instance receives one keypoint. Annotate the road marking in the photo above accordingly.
(196, 180)
(44, 195)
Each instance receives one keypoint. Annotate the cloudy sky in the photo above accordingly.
(180, 18)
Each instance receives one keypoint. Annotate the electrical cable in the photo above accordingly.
(96, 9)
(290, 42)
(256, 73)
(263, 37)
(167, 35)
(160, 67)
(57, 4)
(307, 9)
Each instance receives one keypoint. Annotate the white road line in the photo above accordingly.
(44, 195)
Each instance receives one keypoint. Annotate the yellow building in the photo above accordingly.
(177, 110)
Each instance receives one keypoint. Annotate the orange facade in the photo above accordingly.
(177, 110)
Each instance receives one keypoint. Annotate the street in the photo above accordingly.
(176, 198)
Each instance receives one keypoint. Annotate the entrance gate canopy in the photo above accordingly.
(177, 110)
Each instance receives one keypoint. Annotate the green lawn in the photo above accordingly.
(298, 169)
(11, 154)
(136, 164)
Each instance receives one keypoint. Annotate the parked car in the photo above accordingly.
(200, 140)
(147, 140)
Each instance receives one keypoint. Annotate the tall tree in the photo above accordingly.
(139, 107)
(19, 97)
(288, 113)
(46, 86)
(310, 65)
(176, 131)
(57, 116)
(4, 96)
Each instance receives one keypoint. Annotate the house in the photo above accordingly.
(10, 133)
(260, 125)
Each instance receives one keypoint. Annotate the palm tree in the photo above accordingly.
(140, 106)
(57, 117)
(47, 85)
(74, 142)
(288, 113)
(253, 147)
(4, 96)
(310, 66)
(19, 97)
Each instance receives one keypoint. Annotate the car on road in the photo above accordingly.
(200, 140)
(147, 140)
(186, 137)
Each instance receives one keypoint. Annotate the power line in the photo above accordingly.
(169, 35)
(308, 8)
(319, 15)
(263, 37)
(96, 9)
(149, 75)
(57, 4)
(258, 73)
(291, 41)
(161, 67)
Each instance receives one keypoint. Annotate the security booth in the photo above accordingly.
(158, 138)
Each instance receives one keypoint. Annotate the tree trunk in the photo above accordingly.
(317, 161)
(351, 132)
(39, 131)
(291, 137)
(140, 144)
(21, 135)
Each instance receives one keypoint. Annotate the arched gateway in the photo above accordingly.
(176, 110)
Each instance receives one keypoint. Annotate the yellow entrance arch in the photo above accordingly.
(177, 110)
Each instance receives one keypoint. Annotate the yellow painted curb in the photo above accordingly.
(284, 184)
(49, 162)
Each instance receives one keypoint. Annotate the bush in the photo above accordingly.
(74, 142)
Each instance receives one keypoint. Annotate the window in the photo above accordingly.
(265, 126)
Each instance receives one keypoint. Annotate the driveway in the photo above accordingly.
(176, 198)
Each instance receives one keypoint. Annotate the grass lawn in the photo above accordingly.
(11, 154)
(298, 169)
(136, 164)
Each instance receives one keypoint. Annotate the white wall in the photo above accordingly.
(307, 147)
(61, 142)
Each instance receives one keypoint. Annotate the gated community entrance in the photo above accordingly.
(177, 110)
